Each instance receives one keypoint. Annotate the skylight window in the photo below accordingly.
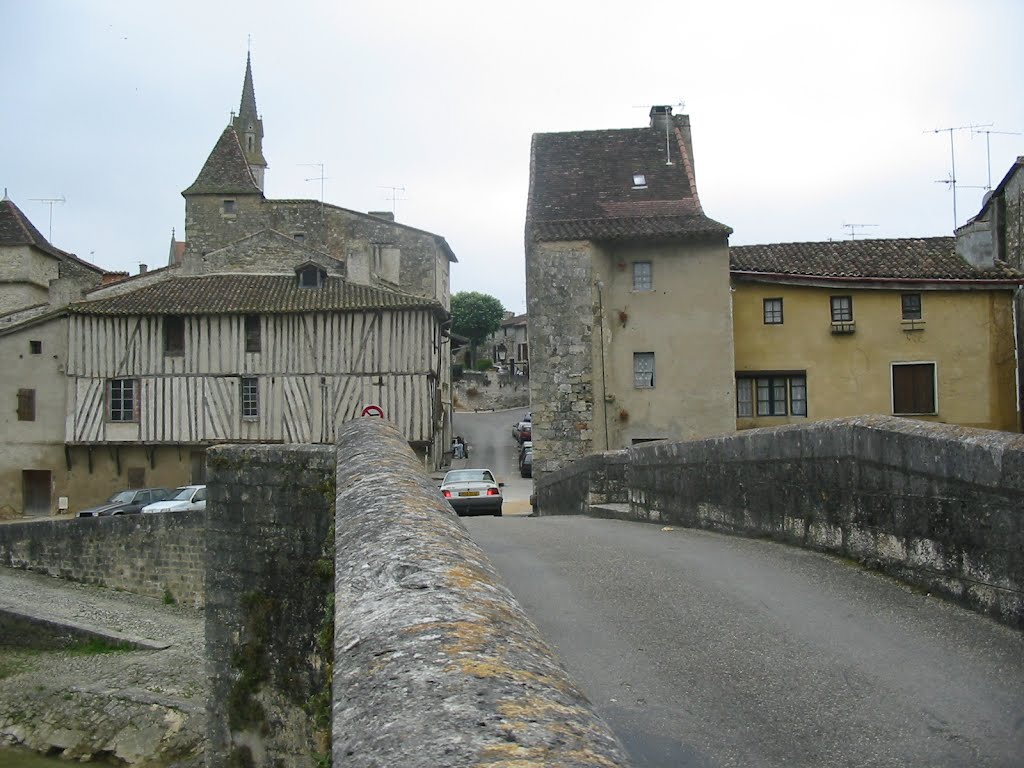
(639, 181)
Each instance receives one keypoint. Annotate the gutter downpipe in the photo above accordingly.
(604, 383)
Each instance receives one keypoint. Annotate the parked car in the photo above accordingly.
(185, 498)
(527, 445)
(517, 425)
(525, 432)
(472, 492)
(128, 502)
(526, 465)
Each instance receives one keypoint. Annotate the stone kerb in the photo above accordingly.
(435, 662)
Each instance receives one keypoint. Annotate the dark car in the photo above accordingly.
(526, 465)
(128, 502)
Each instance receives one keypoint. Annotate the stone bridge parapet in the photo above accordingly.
(938, 506)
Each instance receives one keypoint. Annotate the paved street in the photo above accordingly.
(491, 445)
(704, 650)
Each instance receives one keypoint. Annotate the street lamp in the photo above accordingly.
(501, 353)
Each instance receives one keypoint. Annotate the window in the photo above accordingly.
(299, 237)
(773, 311)
(174, 335)
(639, 181)
(35, 347)
(913, 388)
(250, 398)
(229, 208)
(26, 405)
(643, 370)
(309, 277)
(771, 395)
(911, 306)
(122, 400)
(642, 278)
(842, 309)
(253, 339)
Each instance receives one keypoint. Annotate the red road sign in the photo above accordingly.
(373, 410)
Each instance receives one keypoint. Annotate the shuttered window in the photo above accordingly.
(26, 405)
(913, 388)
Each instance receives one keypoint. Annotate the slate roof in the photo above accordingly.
(225, 171)
(581, 186)
(910, 259)
(16, 229)
(250, 294)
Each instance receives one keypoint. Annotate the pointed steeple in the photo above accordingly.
(249, 127)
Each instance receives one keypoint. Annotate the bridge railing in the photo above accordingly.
(938, 506)
(389, 641)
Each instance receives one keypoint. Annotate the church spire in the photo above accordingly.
(249, 127)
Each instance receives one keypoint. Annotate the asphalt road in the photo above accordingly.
(489, 437)
(705, 650)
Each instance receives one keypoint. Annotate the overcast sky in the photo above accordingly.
(806, 115)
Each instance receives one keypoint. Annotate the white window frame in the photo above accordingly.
(642, 377)
(249, 392)
(643, 282)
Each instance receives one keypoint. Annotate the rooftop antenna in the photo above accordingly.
(988, 148)
(50, 201)
(668, 124)
(321, 178)
(951, 181)
(394, 195)
(854, 227)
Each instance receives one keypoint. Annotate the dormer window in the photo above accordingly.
(311, 276)
(639, 181)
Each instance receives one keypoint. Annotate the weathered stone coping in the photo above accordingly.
(435, 662)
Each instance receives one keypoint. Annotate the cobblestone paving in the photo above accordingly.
(143, 707)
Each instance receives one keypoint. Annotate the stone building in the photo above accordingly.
(627, 288)
(226, 203)
(33, 272)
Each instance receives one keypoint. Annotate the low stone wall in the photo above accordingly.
(938, 506)
(158, 556)
(268, 578)
(435, 663)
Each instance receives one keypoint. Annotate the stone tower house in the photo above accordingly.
(627, 289)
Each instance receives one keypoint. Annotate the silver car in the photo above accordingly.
(472, 492)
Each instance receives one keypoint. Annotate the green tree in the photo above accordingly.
(476, 316)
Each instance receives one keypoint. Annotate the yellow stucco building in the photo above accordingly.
(901, 326)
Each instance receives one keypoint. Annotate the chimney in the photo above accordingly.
(660, 117)
(386, 215)
(143, 269)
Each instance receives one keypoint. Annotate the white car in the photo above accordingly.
(185, 498)
(472, 492)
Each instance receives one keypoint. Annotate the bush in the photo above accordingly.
(484, 365)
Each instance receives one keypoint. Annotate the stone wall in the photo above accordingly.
(161, 556)
(435, 663)
(271, 509)
(938, 506)
(561, 310)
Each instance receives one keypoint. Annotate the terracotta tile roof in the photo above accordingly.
(928, 258)
(225, 171)
(16, 229)
(233, 294)
(582, 186)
